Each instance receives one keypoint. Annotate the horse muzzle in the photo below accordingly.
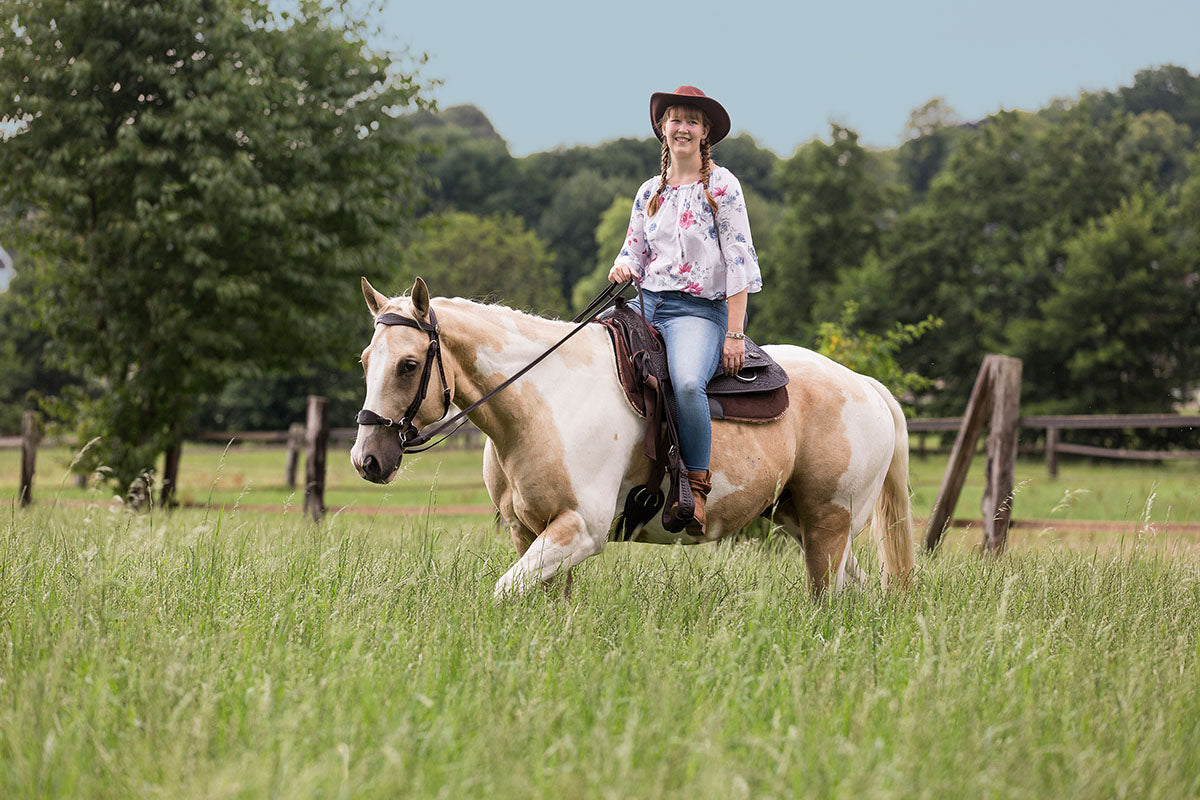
(377, 456)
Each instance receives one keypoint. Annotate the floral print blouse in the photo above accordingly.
(677, 250)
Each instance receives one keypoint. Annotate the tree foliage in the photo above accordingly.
(488, 258)
(836, 210)
(205, 180)
(874, 354)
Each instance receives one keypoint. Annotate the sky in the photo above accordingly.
(560, 73)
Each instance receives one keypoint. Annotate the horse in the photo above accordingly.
(564, 445)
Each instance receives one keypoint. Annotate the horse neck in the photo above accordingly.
(489, 344)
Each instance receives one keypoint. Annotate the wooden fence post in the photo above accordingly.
(960, 457)
(1001, 451)
(166, 495)
(996, 396)
(316, 436)
(29, 445)
(1052, 451)
(294, 442)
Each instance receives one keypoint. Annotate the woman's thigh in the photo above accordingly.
(693, 349)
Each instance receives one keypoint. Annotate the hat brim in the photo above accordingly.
(718, 117)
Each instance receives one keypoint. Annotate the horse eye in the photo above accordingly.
(406, 366)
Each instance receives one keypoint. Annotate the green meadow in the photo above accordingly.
(232, 652)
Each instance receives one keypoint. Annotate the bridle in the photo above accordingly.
(413, 440)
(410, 437)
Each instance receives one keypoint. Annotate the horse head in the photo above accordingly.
(401, 362)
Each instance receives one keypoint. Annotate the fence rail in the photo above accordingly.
(470, 437)
(1052, 425)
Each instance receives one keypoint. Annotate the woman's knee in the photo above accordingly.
(690, 386)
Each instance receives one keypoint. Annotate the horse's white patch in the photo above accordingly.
(378, 365)
(722, 487)
(869, 430)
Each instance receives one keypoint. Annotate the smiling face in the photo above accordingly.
(684, 127)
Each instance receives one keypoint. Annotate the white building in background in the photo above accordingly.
(6, 269)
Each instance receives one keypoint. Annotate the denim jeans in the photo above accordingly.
(694, 330)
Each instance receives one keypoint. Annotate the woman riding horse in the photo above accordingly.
(689, 249)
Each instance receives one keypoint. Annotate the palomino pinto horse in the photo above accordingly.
(565, 447)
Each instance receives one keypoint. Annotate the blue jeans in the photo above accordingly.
(694, 330)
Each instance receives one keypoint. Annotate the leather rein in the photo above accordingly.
(412, 440)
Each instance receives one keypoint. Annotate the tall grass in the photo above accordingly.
(233, 655)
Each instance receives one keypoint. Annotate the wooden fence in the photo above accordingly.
(991, 403)
(1054, 425)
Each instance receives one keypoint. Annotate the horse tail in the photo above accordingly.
(891, 524)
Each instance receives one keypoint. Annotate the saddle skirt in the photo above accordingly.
(756, 394)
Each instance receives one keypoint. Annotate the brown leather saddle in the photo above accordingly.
(756, 394)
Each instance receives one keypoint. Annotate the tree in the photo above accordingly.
(875, 354)
(26, 377)
(490, 258)
(208, 179)
(930, 135)
(754, 166)
(1118, 331)
(569, 221)
(1167, 88)
(837, 205)
(467, 171)
(610, 236)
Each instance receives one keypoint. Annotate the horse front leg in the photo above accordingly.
(564, 543)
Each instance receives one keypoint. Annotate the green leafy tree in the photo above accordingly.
(981, 250)
(930, 136)
(489, 258)
(568, 223)
(755, 167)
(1168, 88)
(610, 237)
(838, 202)
(468, 170)
(208, 178)
(1118, 332)
(26, 376)
(875, 354)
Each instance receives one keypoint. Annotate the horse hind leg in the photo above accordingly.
(853, 571)
(826, 543)
(824, 538)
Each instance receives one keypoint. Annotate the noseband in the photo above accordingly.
(409, 435)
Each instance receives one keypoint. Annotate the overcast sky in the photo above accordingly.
(550, 73)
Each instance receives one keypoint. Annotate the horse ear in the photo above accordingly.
(375, 300)
(420, 298)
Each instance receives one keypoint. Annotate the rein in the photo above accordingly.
(413, 440)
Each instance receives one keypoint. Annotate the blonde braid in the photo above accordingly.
(705, 174)
(662, 184)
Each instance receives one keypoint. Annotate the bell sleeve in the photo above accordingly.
(733, 228)
(635, 253)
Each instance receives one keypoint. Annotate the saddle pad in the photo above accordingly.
(765, 402)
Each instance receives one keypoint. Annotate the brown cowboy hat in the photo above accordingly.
(718, 117)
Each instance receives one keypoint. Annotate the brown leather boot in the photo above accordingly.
(701, 485)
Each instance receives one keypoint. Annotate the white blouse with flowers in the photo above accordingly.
(677, 250)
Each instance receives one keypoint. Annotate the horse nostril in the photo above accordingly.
(371, 467)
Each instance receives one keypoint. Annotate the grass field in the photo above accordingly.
(232, 653)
